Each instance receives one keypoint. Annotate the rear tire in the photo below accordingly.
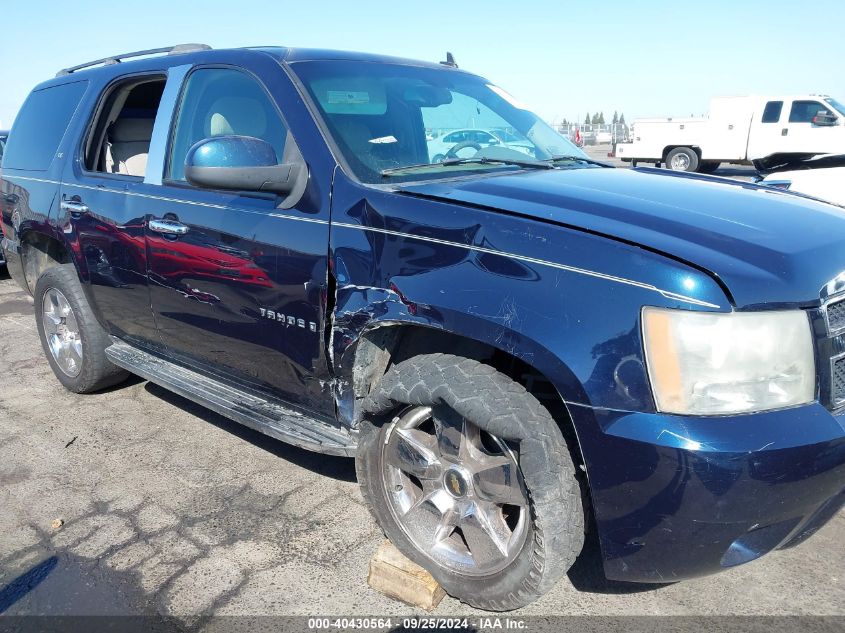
(73, 340)
(682, 159)
(544, 527)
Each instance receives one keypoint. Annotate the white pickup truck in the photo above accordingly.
(739, 130)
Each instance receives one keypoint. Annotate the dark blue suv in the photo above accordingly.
(513, 341)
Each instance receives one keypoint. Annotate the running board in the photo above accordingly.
(267, 416)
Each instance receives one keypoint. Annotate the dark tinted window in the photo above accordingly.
(804, 111)
(220, 101)
(772, 112)
(40, 126)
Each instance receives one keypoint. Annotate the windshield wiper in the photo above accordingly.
(451, 162)
(582, 159)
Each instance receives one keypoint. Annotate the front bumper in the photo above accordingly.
(677, 497)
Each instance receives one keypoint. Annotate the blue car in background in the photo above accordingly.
(513, 346)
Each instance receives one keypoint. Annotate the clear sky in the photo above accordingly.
(562, 58)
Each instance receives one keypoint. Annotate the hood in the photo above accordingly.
(766, 246)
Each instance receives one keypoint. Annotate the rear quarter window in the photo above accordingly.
(40, 126)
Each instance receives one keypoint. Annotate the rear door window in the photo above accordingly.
(771, 114)
(40, 126)
(119, 139)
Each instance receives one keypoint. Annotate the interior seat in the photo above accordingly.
(237, 115)
(129, 144)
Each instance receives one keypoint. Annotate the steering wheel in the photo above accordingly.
(457, 147)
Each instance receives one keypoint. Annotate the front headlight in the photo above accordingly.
(707, 363)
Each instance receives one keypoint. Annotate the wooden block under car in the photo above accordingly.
(396, 576)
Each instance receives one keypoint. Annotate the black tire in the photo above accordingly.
(709, 166)
(96, 372)
(682, 159)
(498, 405)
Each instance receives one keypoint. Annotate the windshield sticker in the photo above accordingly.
(348, 97)
(384, 139)
(508, 97)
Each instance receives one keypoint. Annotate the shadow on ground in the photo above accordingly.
(587, 574)
(66, 593)
(340, 468)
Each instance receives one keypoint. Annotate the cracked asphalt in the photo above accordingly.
(171, 509)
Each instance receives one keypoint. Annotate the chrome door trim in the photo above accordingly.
(156, 157)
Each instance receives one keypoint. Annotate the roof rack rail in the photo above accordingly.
(116, 59)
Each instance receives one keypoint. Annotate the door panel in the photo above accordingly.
(108, 240)
(241, 292)
(766, 134)
(110, 246)
(804, 136)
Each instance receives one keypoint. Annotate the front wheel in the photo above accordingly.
(470, 477)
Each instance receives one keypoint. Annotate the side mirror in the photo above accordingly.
(824, 119)
(242, 163)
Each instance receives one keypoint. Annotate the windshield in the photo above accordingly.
(836, 105)
(386, 117)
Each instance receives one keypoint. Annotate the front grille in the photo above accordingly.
(836, 316)
(837, 381)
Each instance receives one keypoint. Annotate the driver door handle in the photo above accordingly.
(75, 207)
(167, 227)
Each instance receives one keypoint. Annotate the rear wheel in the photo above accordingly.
(72, 338)
(470, 477)
(682, 159)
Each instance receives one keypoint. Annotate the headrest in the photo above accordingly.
(237, 115)
(131, 130)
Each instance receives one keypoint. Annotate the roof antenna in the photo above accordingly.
(450, 60)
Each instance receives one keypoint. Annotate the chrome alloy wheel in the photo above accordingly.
(456, 491)
(62, 332)
(680, 162)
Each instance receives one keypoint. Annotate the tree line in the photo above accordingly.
(598, 119)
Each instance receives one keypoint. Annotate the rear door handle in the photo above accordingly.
(167, 227)
(75, 207)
